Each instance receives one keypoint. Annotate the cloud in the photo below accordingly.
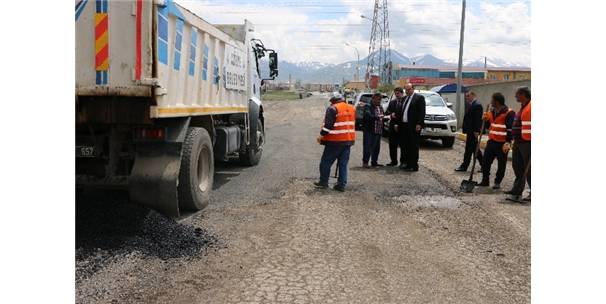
(307, 31)
(498, 31)
(281, 28)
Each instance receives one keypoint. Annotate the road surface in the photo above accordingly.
(269, 237)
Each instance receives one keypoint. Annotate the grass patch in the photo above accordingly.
(279, 95)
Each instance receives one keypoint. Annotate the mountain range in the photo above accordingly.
(317, 72)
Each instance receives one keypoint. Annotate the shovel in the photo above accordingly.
(468, 185)
(337, 170)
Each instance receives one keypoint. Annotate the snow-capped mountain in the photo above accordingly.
(318, 72)
(398, 58)
(430, 60)
(313, 65)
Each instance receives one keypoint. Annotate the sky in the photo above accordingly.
(330, 31)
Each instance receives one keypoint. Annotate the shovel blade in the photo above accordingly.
(467, 186)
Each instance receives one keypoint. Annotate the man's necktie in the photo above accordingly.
(405, 104)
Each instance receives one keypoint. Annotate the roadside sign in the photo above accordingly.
(417, 80)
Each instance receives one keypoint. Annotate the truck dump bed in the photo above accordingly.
(158, 49)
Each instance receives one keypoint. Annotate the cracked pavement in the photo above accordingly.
(269, 237)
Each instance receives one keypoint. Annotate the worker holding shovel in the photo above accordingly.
(498, 121)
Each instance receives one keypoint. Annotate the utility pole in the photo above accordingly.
(460, 105)
(289, 82)
(358, 64)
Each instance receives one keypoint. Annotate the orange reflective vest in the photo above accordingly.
(525, 119)
(345, 124)
(498, 130)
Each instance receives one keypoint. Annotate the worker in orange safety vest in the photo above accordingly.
(498, 121)
(337, 135)
(521, 147)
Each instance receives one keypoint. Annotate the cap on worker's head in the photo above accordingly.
(336, 97)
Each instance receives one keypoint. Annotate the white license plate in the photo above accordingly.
(85, 151)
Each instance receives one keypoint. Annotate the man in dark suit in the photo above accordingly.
(410, 120)
(472, 123)
(393, 109)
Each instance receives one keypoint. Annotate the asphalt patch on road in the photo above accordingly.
(108, 227)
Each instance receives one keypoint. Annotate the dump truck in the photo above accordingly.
(161, 95)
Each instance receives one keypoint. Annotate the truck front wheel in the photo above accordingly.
(197, 170)
(252, 155)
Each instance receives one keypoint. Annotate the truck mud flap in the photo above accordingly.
(155, 177)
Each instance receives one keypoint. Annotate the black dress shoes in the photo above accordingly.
(484, 184)
(411, 169)
(461, 169)
(392, 164)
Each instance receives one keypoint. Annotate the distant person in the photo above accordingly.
(472, 123)
(498, 122)
(410, 123)
(372, 126)
(394, 109)
(521, 147)
(338, 134)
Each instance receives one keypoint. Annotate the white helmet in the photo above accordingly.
(336, 96)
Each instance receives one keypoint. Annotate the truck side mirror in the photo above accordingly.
(449, 104)
(273, 64)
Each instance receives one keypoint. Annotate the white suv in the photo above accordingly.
(440, 120)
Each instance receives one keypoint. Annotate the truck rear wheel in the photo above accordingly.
(197, 170)
(252, 155)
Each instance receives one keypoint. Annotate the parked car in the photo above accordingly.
(361, 100)
(440, 120)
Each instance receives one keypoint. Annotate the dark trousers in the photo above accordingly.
(494, 149)
(394, 143)
(470, 147)
(520, 159)
(410, 140)
(330, 154)
(371, 148)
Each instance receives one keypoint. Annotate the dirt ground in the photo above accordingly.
(269, 237)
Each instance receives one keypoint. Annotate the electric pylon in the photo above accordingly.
(379, 54)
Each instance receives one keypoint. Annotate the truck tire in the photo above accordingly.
(254, 150)
(448, 142)
(197, 170)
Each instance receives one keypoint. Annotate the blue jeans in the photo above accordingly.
(332, 153)
(372, 147)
